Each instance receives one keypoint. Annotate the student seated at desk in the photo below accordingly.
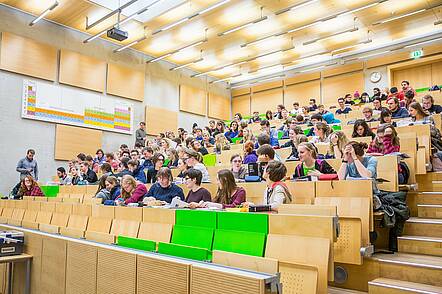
(164, 189)
(310, 166)
(295, 140)
(137, 171)
(228, 194)
(192, 179)
(131, 191)
(419, 115)
(158, 161)
(108, 188)
(277, 192)
(88, 174)
(428, 105)
(238, 170)
(233, 131)
(29, 187)
(249, 153)
(386, 118)
(338, 140)
(322, 132)
(194, 159)
(386, 141)
(361, 129)
(356, 165)
(196, 145)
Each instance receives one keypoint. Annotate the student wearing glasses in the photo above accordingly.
(192, 179)
(238, 170)
(164, 189)
(158, 161)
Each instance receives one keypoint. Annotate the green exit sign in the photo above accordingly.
(417, 53)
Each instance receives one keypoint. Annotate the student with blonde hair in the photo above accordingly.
(310, 166)
(131, 191)
(194, 160)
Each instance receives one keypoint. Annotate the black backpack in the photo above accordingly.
(405, 172)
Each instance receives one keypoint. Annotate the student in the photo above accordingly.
(394, 93)
(82, 157)
(140, 134)
(221, 143)
(248, 135)
(312, 105)
(361, 129)
(194, 159)
(428, 105)
(110, 158)
(265, 127)
(146, 160)
(386, 141)
(419, 115)
(164, 189)
(137, 171)
(368, 114)
(131, 191)
(314, 119)
(233, 131)
(208, 141)
(29, 187)
(342, 108)
(265, 153)
(386, 118)
(269, 115)
(88, 174)
(322, 132)
(192, 179)
(349, 100)
(238, 170)
(76, 179)
(405, 87)
(365, 98)
(310, 166)
(123, 168)
(377, 106)
(338, 140)
(277, 192)
(396, 110)
(249, 153)
(64, 178)
(237, 117)
(295, 140)
(228, 193)
(102, 193)
(172, 155)
(100, 158)
(199, 134)
(255, 118)
(356, 165)
(278, 113)
(158, 161)
(219, 128)
(322, 110)
(409, 98)
(196, 145)
(134, 154)
(28, 165)
(106, 169)
(212, 127)
(113, 187)
(296, 109)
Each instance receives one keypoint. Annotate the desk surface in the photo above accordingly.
(15, 258)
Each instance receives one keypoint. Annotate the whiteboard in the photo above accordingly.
(61, 104)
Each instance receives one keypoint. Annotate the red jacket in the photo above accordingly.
(237, 198)
(35, 191)
(388, 146)
(137, 194)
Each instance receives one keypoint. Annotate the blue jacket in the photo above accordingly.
(139, 174)
(345, 111)
(274, 138)
(165, 194)
(401, 112)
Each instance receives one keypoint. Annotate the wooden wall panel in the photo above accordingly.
(82, 71)
(239, 92)
(338, 86)
(343, 69)
(267, 86)
(436, 73)
(241, 104)
(302, 93)
(81, 268)
(125, 82)
(28, 57)
(69, 141)
(193, 100)
(303, 78)
(266, 100)
(159, 120)
(113, 261)
(53, 265)
(219, 106)
(418, 76)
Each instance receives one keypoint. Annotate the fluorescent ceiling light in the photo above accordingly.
(118, 10)
(191, 45)
(52, 7)
(330, 36)
(352, 46)
(423, 43)
(310, 69)
(308, 56)
(225, 79)
(200, 74)
(130, 44)
(269, 79)
(187, 64)
(266, 68)
(398, 17)
(258, 41)
(362, 8)
(296, 6)
(216, 5)
(242, 26)
(133, 15)
(160, 57)
(373, 54)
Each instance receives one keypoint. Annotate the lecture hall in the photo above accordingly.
(220, 146)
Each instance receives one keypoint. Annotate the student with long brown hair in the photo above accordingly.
(419, 115)
(228, 193)
(29, 187)
(131, 191)
(386, 140)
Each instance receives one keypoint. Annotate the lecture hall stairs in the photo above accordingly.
(417, 267)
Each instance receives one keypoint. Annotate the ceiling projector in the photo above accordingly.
(117, 34)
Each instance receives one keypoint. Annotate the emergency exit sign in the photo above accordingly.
(417, 53)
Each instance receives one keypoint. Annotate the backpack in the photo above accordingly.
(404, 173)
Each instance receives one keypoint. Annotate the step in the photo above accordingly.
(429, 198)
(420, 245)
(336, 290)
(429, 210)
(429, 227)
(417, 268)
(390, 286)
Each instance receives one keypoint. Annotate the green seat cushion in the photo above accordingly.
(250, 243)
(234, 140)
(50, 191)
(140, 244)
(184, 251)
(209, 159)
(195, 218)
(242, 221)
(193, 236)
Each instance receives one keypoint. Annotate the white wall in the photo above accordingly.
(383, 83)
(17, 134)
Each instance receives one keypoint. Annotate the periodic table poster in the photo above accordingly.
(66, 105)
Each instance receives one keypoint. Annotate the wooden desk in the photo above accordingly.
(10, 260)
